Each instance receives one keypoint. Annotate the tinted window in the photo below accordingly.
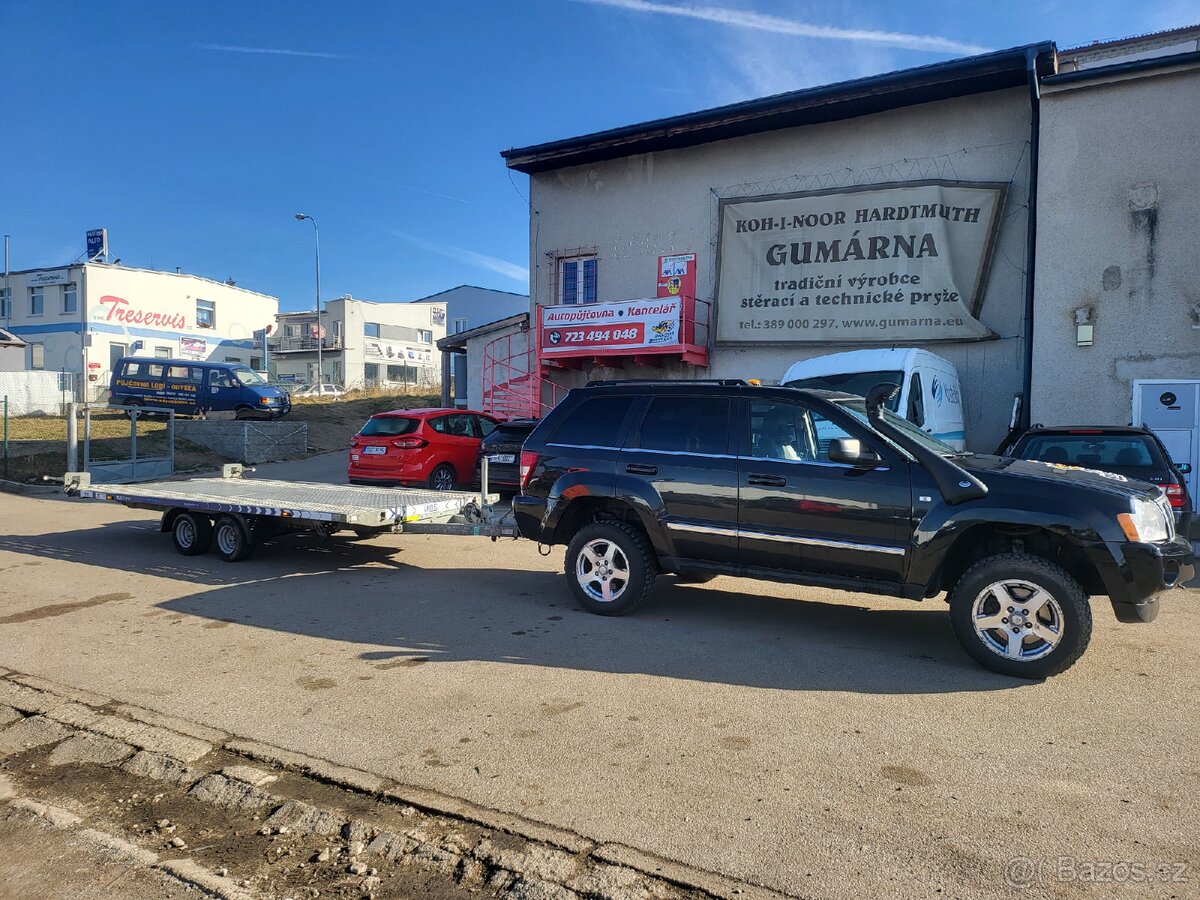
(486, 426)
(389, 426)
(1129, 450)
(458, 425)
(594, 422)
(916, 401)
(791, 431)
(685, 425)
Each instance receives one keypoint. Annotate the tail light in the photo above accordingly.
(528, 463)
(1175, 495)
(354, 441)
(410, 443)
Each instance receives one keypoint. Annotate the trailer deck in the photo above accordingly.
(370, 507)
(235, 514)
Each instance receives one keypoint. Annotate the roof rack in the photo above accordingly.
(727, 382)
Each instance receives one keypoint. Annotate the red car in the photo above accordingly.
(419, 447)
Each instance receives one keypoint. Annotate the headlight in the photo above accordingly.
(1145, 522)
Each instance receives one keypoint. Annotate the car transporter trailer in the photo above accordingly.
(234, 514)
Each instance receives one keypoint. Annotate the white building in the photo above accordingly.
(12, 352)
(84, 317)
(468, 306)
(365, 344)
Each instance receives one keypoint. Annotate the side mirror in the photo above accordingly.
(851, 451)
(1184, 468)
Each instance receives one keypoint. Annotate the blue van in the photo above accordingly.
(192, 388)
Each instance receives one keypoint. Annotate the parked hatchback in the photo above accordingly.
(419, 447)
(503, 451)
(1132, 452)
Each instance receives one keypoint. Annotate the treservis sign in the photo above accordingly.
(888, 263)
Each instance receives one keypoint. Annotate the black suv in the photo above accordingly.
(820, 488)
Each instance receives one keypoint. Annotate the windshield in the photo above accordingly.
(248, 376)
(853, 383)
(858, 409)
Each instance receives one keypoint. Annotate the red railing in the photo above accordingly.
(513, 383)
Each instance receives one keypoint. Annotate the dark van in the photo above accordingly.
(193, 388)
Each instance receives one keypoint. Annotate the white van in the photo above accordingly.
(929, 397)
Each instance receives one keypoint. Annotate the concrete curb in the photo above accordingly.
(548, 861)
(17, 487)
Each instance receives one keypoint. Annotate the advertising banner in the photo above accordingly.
(97, 243)
(43, 278)
(594, 328)
(193, 348)
(889, 264)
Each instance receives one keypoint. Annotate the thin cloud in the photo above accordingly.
(409, 187)
(272, 51)
(778, 25)
(470, 257)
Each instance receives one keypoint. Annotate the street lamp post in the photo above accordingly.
(300, 217)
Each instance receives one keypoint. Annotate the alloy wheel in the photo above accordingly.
(602, 570)
(1017, 619)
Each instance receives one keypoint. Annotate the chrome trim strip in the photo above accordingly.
(702, 529)
(783, 538)
(821, 542)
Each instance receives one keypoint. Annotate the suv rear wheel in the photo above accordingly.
(610, 567)
(1021, 615)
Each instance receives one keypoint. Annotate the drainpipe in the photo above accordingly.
(1031, 232)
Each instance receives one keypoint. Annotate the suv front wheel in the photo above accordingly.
(1021, 615)
(610, 567)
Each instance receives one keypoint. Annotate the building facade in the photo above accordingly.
(793, 227)
(365, 344)
(1117, 236)
(83, 318)
(894, 211)
(1116, 336)
(468, 306)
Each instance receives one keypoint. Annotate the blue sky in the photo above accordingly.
(194, 131)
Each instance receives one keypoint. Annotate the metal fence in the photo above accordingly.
(34, 393)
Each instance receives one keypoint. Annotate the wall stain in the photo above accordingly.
(61, 609)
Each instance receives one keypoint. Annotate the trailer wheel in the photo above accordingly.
(192, 534)
(232, 539)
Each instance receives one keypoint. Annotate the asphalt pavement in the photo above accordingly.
(843, 746)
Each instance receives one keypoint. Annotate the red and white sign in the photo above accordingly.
(677, 275)
(193, 348)
(577, 330)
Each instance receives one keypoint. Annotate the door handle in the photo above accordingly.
(768, 480)
(636, 469)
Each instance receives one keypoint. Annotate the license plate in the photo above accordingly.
(502, 457)
(374, 451)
